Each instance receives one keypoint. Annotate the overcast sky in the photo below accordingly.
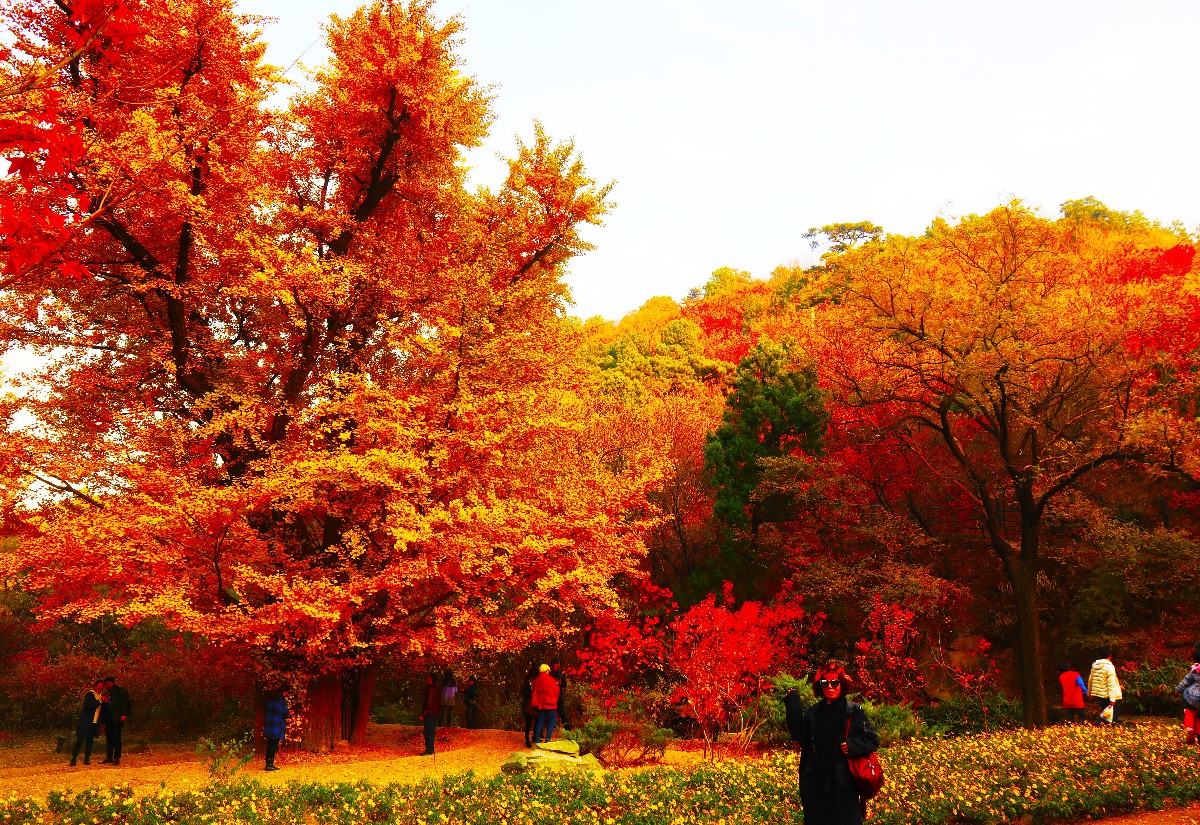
(730, 131)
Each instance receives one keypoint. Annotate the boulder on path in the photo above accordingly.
(553, 756)
(564, 746)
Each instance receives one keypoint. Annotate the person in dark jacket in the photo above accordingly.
(471, 703)
(113, 714)
(275, 725)
(560, 676)
(431, 708)
(89, 723)
(527, 709)
(828, 794)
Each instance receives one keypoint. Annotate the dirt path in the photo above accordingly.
(30, 767)
(390, 755)
(1180, 816)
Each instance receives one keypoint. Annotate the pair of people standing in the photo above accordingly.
(1102, 687)
(542, 701)
(106, 705)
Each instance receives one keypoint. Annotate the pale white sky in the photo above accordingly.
(732, 128)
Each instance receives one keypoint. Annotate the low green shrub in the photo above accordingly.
(966, 714)
(893, 723)
(769, 709)
(1151, 688)
(593, 734)
(397, 713)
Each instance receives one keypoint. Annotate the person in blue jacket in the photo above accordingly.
(275, 725)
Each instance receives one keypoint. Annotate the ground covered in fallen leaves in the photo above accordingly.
(30, 767)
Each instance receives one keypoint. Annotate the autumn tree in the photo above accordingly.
(1012, 356)
(773, 409)
(304, 393)
(725, 309)
(653, 363)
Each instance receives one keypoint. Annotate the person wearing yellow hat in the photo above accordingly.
(545, 702)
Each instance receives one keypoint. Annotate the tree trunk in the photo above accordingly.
(360, 700)
(324, 727)
(260, 715)
(1029, 639)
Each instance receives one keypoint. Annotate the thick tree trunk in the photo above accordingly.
(356, 725)
(1024, 572)
(324, 727)
(260, 715)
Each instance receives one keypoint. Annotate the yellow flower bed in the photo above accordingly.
(1058, 773)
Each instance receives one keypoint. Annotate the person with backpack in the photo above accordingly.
(1104, 687)
(831, 733)
(1189, 691)
(1073, 692)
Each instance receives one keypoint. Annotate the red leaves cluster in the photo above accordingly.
(723, 656)
(42, 127)
(716, 658)
(887, 669)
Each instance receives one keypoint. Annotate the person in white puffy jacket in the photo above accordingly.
(1103, 686)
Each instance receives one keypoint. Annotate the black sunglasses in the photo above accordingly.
(824, 683)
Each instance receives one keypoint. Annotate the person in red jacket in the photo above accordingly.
(545, 702)
(1073, 692)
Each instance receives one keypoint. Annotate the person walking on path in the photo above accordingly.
(828, 794)
(275, 725)
(1104, 687)
(527, 708)
(449, 691)
(471, 703)
(431, 708)
(114, 713)
(1073, 692)
(89, 723)
(1189, 692)
(545, 702)
(560, 676)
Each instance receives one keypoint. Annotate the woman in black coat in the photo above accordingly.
(88, 725)
(827, 790)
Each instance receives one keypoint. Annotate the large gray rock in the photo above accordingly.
(564, 746)
(516, 763)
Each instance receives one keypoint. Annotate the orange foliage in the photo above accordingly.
(305, 393)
